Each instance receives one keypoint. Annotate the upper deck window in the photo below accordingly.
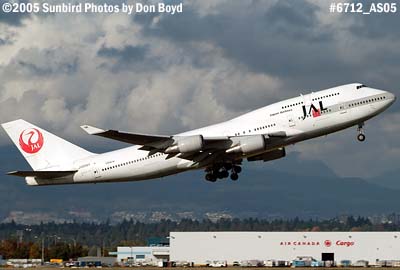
(360, 86)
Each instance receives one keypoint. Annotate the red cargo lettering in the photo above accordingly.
(344, 243)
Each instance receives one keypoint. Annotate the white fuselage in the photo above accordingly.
(301, 118)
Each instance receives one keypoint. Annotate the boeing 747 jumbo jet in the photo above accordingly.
(259, 135)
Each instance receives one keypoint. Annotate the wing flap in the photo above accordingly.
(42, 174)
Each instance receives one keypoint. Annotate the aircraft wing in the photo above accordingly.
(154, 141)
(148, 142)
(211, 148)
(42, 174)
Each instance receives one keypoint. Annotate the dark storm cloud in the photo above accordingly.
(285, 40)
(128, 57)
(370, 27)
(295, 19)
(185, 27)
(3, 42)
(66, 68)
(14, 19)
(43, 62)
(27, 107)
(128, 54)
(377, 25)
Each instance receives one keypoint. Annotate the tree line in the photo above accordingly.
(71, 240)
(13, 249)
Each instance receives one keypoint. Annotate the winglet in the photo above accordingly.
(92, 130)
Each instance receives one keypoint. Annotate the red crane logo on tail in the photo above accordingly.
(31, 140)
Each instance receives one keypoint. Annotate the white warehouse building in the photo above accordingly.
(202, 247)
(141, 254)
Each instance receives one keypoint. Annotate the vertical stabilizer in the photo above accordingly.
(43, 150)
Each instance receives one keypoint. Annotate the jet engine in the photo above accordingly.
(271, 155)
(186, 145)
(248, 145)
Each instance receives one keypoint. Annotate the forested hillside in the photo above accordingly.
(71, 239)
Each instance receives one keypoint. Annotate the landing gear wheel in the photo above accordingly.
(219, 175)
(234, 176)
(361, 137)
(228, 166)
(210, 177)
(224, 174)
(237, 169)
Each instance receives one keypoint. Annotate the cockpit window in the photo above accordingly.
(360, 86)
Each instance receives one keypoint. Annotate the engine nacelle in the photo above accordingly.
(248, 145)
(186, 145)
(271, 155)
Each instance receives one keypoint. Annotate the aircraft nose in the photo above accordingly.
(391, 97)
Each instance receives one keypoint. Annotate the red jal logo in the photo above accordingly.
(313, 110)
(328, 243)
(31, 140)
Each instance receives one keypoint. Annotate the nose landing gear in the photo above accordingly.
(360, 136)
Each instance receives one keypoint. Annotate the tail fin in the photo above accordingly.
(43, 150)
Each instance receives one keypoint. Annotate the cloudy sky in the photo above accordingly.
(159, 73)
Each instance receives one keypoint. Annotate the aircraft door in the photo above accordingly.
(372, 106)
(307, 102)
(344, 111)
(291, 120)
(96, 171)
(343, 107)
(307, 99)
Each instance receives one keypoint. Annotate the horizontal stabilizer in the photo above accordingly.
(42, 174)
(92, 130)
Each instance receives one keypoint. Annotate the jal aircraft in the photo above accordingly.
(259, 135)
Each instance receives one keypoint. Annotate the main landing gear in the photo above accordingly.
(223, 171)
(360, 136)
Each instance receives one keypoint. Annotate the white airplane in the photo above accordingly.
(219, 149)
